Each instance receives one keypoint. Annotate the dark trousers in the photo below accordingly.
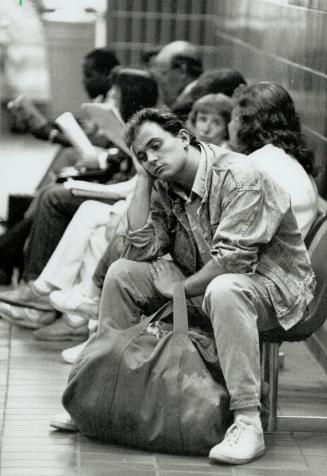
(55, 209)
(12, 245)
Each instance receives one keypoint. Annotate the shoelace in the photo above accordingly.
(83, 290)
(233, 434)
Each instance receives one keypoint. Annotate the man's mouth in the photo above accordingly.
(159, 169)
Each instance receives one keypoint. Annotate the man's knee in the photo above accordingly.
(118, 268)
(89, 208)
(223, 293)
(223, 288)
(123, 270)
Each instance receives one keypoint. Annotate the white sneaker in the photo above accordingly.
(26, 316)
(70, 355)
(93, 325)
(63, 422)
(77, 300)
(243, 442)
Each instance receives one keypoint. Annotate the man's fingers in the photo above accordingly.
(153, 271)
(161, 265)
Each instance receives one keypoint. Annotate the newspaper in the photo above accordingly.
(116, 191)
(76, 135)
(109, 121)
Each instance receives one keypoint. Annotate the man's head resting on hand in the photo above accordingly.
(160, 142)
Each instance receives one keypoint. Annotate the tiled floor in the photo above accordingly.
(33, 376)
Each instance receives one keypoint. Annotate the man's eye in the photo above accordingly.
(155, 145)
(142, 156)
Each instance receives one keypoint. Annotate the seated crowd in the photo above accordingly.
(218, 193)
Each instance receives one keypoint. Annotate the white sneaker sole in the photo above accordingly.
(232, 460)
(66, 310)
(71, 355)
(26, 322)
(64, 426)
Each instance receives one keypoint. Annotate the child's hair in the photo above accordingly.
(218, 104)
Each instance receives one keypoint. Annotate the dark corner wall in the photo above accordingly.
(276, 40)
(285, 42)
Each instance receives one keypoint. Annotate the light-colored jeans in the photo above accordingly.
(81, 246)
(237, 305)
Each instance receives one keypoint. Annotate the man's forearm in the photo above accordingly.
(196, 284)
(139, 209)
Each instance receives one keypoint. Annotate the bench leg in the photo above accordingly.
(269, 369)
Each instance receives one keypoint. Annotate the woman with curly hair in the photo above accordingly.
(266, 126)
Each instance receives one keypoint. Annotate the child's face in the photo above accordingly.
(210, 127)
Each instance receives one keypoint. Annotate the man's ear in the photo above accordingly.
(185, 136)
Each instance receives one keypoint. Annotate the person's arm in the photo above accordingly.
(144, 234)
(194, 285)
(247, 224)
(139, 209)
(50, 132)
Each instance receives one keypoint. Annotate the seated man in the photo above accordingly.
(176, 66)
(233, 239)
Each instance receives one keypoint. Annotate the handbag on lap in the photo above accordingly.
(131, 388)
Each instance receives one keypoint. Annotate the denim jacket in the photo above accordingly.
(238, 216)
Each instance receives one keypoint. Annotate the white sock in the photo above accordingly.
(251, 414)
(75, 320)
(94, 290)
(43, 287)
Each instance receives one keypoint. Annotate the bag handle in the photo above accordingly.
(180, 309)
(177, 306)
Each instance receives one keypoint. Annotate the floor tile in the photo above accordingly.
(218, 471)
(317, 463)
(246, 471)
(312, 444)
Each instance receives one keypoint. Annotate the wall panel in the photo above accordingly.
(135, 25)
(282, 41)
(277, 40)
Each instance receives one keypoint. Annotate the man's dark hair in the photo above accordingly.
(166, 120)
(223, 80)
(192, 66)
(97, 67)
(103, 59)
(148, 54)
(138, 89)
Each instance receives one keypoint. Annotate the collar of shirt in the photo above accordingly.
(199, 184)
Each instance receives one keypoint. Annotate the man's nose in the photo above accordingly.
(151, 157)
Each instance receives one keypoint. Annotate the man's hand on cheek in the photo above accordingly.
(140, 170)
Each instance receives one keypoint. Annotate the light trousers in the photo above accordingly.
(237, 305)
(81, 246)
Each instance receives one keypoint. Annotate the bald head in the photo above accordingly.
(176, 65)
(177, 48)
